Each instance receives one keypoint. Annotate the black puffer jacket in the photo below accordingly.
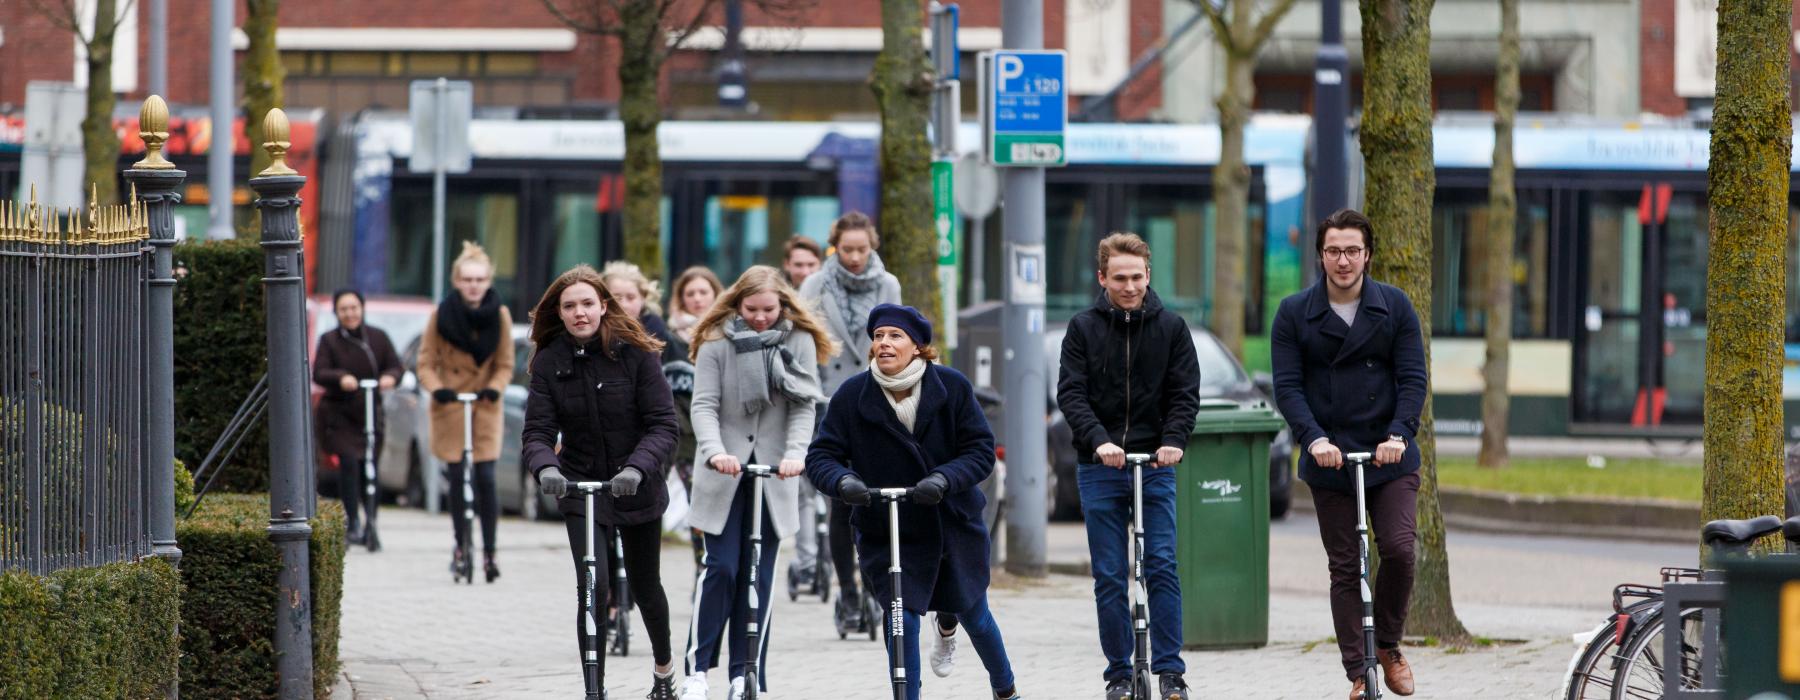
(613, 410)
(1114, 359)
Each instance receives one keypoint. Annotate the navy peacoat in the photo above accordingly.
(943, 548)
(1353, 384)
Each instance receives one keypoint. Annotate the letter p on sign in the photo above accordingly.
(1011, 67)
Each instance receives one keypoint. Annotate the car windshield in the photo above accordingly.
(1219, 372)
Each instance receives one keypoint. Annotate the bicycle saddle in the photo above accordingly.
(1791, 529)
(1741, 532)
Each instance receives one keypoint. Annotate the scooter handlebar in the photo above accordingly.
(467, 398)
(759, 470)
(600, 487)
(368, 383)
(893, 493)
(1140, 457)
(1364, 457)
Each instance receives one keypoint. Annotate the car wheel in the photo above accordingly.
(414, 495)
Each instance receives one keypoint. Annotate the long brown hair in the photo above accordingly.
(756, 280)
(697, 272)
(546, 322)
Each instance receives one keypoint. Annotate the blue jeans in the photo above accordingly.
(722, 595)
(1106, 505)
(984, 635)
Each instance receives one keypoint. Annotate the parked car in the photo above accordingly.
(403, 319)
(1221, 377)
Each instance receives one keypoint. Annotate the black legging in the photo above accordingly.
(643, 556)
(487, 505)
(350, 490)
(843, 549)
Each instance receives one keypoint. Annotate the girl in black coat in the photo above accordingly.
(909, 422)
(596, 381)
(346, 355)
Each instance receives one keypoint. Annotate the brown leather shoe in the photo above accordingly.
(1356, 689)
(1395, 669)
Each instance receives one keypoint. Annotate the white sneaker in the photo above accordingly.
(737, 688)
(694, 688)
(943, 650)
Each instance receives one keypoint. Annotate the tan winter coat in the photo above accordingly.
(443, 366)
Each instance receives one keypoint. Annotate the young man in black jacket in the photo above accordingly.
(1130, 383)
(1350, 376)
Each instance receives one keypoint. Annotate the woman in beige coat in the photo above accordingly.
(467, 349)
(756, 355)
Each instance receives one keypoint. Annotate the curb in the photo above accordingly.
(1648, 520)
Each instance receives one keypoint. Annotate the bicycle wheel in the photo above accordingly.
(1640, 672)
(1591, 675)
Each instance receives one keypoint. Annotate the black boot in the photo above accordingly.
(488, 567)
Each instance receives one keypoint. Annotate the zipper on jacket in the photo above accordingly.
(1126, 438)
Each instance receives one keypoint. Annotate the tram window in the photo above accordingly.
(743, 230)
(488, 218)
(1070, 237)
(1459, 273)
(577, 229)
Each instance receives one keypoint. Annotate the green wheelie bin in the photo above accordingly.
(1222, 526)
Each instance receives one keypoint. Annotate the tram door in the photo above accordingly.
(1640, 342)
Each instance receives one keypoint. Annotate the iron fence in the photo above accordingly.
(75, 472)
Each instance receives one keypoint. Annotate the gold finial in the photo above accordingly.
(153, 128)
(275, 141)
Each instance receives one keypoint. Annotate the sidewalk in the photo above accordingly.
(409, 633)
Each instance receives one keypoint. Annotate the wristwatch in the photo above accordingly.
(1396, 437)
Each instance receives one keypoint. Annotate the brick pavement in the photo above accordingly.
(409, 633)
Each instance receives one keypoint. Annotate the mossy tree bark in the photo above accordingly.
(1396, 148)
(1747, 190)
(902, 82)
(647, 32)
(1501, 222)
(263, 76)
(1240, 38)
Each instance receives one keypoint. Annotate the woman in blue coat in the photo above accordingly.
(909, 422)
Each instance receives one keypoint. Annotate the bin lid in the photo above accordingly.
(1224, 416)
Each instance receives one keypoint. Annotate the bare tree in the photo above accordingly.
(902, 81)
(99, 142)
(1503, 208)
(1241, 36)
(263, 76)
(648, 32)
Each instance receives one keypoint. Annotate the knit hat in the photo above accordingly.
(905, 318)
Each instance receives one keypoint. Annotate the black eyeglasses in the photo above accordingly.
(1342, 253)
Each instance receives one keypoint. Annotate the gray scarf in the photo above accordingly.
(765, 368)
(855, 297)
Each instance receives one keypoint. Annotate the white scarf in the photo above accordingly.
(906, 409)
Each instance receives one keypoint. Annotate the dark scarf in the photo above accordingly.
(475, 331)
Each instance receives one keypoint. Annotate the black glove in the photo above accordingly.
(625, 483)
(930, 490)
(552, 483)
(443, 395)
(853, 491)
(488, 395)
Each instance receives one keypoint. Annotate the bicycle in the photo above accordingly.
(1624, 658)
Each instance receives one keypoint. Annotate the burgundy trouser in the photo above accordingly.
(1393, 509)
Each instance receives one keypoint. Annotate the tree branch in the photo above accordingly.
(61, 14)
(1221, 27)
(593, 26)
(680, 36)
(1266, 26)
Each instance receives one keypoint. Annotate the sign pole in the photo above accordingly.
(438, 134)
(946, 110)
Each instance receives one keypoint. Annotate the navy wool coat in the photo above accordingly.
(943, 548)
(1354, 384)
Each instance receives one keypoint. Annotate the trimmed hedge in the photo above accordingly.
(229, 569)
(96, 632)
(220, 352)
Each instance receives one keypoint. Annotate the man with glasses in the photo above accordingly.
(1350, 376)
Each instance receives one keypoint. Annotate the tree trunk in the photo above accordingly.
(1502, 220)
(902, 82)
(640, 63)
(99, 142)
(1231, 194)
(1747, 187)
(1396, 148)
(263, 74)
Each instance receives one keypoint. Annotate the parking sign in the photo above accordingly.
(1024, 100)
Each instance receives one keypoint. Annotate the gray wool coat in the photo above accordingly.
(853, 348)
(781, 431)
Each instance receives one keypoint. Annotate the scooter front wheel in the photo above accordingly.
(750, 686)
